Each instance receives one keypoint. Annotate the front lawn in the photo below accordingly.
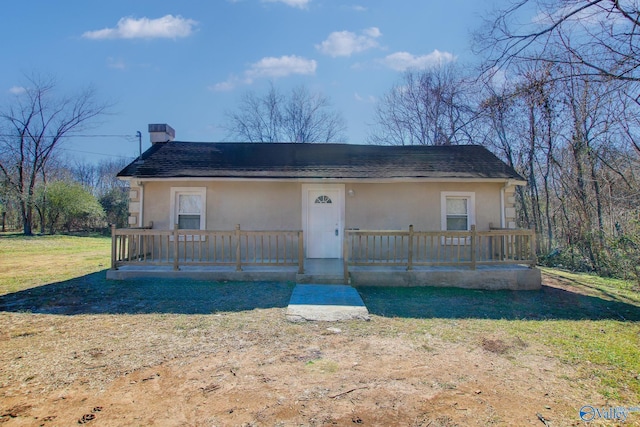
(224, 354)
(38, 260)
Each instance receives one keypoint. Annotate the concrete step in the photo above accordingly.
(330, 279)
(325, 302)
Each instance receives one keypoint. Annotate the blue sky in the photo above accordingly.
(186, 63)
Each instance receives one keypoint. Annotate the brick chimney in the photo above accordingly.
(161, 132)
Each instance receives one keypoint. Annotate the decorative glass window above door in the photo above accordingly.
(323, 200)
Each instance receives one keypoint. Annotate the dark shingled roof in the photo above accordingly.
(288, 160)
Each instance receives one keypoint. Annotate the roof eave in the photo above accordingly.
(506, 180)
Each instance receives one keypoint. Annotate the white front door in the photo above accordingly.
(323, 222)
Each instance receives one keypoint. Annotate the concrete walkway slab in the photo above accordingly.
(327, 303)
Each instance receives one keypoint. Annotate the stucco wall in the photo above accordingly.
(253, 205)
(396, 206)
(278, 205)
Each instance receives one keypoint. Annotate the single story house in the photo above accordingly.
(261, 208)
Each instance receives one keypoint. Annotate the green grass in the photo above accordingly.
(34, 261)
(586, 322)
(603, 287)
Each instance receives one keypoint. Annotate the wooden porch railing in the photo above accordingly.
(411, 248)
(239, 248)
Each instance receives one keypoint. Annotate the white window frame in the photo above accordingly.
(195, 191)
(470, 196)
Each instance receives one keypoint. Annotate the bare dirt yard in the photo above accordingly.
(182, 353)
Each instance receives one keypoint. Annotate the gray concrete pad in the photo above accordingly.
(327, 303)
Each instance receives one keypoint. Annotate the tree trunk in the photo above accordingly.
(27, 218)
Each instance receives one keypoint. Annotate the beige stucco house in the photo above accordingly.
(332, 193)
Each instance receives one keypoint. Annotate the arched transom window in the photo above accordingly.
(323, 200)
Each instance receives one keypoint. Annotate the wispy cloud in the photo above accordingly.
(227, 85)
(116, 63)
(368, 99)
(346, 43)
(573, 12)
(17, 90)
(401, 61)
(282, 67)
(270, 67)
(168, 26)
(301, 4)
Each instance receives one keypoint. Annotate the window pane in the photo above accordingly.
(189, 222)
(189, 204)
(456, 206)
(457, 223)
(323, 200)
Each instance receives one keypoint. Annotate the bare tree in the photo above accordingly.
(33, 127)
(427, 107)
(581, 149)
(601, 37)
(301, 116)
(100, 177)
(628, 119)
(521, 126)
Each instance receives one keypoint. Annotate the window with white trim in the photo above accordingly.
(457, 214)
(458, 210)
(188, 208)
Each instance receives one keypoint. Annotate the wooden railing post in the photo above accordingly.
(410, 249)
(533, 248)
(238, 250)
(130, 247)
(474, 236)
(345, 256)
(113, 246)
(176, 248)
(300, 252)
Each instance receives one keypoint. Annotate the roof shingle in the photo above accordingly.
(288, 160)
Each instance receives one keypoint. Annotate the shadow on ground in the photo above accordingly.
(93, 294)
(453, 303)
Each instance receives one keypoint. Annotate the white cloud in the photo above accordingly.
(168, 26)
(370, 99)
(586, 16)
(225, 86)
(282, 67)
(401, 61)
(17, 90)
(359, 8)
(499, 77)
(301, 4)
(116, 63)
(270, 67)
(346, 43)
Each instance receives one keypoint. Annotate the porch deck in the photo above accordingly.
(500, 259)
(330, 271)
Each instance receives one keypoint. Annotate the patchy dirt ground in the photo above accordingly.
(252, 367)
